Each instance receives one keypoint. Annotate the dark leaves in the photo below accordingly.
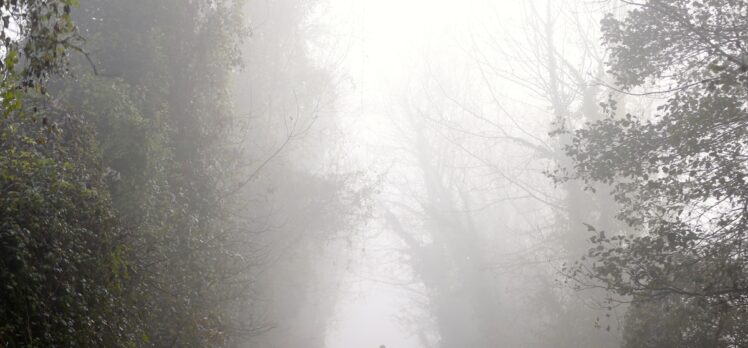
(680, 176)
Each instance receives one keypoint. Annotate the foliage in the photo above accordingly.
(675, 321)
(114, 228)
(680, 178)
(62, 268)
(128, 189)
(160, 106)
(39, 35)
(36, 37)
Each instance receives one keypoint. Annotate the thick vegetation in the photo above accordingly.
(138, 207)
(680, 177)
(113, 227)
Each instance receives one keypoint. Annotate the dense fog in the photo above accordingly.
(374, 173)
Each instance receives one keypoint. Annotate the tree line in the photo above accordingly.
(134, 202)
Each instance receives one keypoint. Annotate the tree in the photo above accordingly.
(63, 268)
(482, 228)
(554, 61)
(679, 177)
(137, 206)
(114, 227)
(35, 38)
(160, 106)
(296, 202)
(63, 271)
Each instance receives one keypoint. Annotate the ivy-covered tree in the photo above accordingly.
(680, 177)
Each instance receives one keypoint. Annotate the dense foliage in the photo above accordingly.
(63, 270)
(679, 177)
(115, 176)
(137, 207)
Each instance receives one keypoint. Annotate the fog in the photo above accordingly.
(446, 104)
(373, 173)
